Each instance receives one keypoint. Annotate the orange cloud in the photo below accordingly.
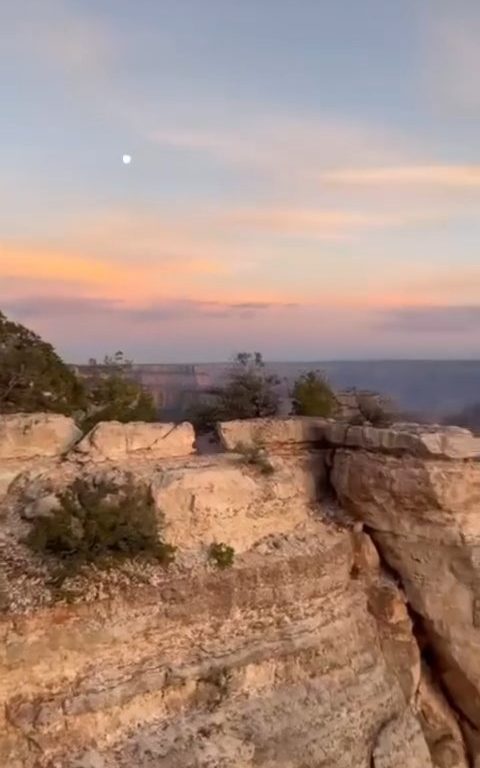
(434, 175)
(43, 263)
(114, 277)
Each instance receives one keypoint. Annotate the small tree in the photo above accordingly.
(34, 378)
(114, 396)
(32, 375)
(313, 396)
(250, 392)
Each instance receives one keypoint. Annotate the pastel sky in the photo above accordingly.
(305, 177)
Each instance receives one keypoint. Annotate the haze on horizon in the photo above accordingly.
(305, 177)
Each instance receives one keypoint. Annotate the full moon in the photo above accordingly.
(127, 159)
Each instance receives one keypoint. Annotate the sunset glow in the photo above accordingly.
(302, 179)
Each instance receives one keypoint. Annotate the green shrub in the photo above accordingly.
(313, 396)
(221, 554)
(255, 456)
(98, 522)
(250, 392)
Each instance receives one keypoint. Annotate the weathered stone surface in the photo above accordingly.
(25, 436)
(401, 744)
(424, 517)
(277, 659)
(358, 406)
(413, 439)
(89, 759)
(225, 500)
(111, 440)
(270, 432)
(301, 654)
(441, 729)
(398, 643)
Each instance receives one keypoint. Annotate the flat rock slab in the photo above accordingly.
(266, 432)
(421, 440)
(111, 440)
(32, 435)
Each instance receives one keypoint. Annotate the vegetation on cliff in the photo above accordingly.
(113, 396)
(221, 555)
(97, 522)
(313, 396)
(250, 392)
(34, 378)
(32, 375)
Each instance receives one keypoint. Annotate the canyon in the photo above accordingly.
(345, 634)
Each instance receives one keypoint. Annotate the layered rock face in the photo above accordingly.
(306, 652)
(425, 518)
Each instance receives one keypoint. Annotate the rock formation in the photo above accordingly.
(346, 633)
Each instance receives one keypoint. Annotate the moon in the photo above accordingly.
(126, 159)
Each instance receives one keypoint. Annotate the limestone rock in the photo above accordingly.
(424, 519)
(399, 646)
(89, 759)
(413, 439)
(301, 654)
(441, 729)
(25, 436)
(276, 661)
(401, 744)
(225, 500)
(111, 440)
(270, 431)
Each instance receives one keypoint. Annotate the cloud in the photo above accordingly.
(318, 223)
(99, 266)
(429, 175)
(45, 263)
(41, 306)
(431, 319)
(60, 306)
(279, 145)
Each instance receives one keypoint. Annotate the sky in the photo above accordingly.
(305, 177)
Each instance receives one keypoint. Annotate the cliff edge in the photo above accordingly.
(344, 632)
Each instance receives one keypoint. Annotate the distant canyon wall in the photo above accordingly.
(432, 389)
(345, 634)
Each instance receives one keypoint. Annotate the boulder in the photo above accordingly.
(420, 440)
(111, 440)
(271, 431)
(31, 435)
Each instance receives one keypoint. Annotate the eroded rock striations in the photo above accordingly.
(346, 633)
